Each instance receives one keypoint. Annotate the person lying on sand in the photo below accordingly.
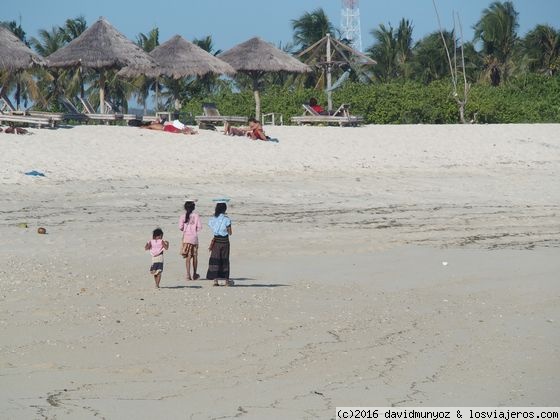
(254, 131)
(15, 130)
(174, 126)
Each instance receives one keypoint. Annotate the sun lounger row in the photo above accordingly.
(37, 121)
(341, 117)
(213, 116)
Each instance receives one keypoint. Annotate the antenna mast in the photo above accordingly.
(350, 23)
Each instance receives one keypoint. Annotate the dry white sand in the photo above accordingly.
(342, 296)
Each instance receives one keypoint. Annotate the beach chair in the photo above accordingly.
(72, 113)
(111, 108)
(70, 107)
(87, 106)
(340, 116)
(38, 121)
(89, 111)
(213, 116)
(6, 105)
(307, 110)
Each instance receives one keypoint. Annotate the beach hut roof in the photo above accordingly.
(100, 46)
(256, 55)
(14, 54)
(178, 58)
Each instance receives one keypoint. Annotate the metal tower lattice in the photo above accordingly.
(350, 23)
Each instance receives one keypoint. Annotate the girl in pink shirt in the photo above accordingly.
(190, 224)
(156, 246)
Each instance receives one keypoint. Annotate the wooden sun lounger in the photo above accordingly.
(328, 119)
(58, 116)
(341, 117)
(73, 111)
(27, 119)
(213, 116)
(90, 111)
(6, 105)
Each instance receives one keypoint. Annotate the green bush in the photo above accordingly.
(533, 99)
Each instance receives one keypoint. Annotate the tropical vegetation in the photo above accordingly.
(510, 78)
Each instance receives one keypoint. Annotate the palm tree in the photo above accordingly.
(497, 30)
(403, 38)
(542, 48)
(142, 84)
(73, 28)
(148, 41)
(430, 60)
(209, 83)
(48, 41)
(119, 91)
(392, 50)
(384, 51)
(21, 82)
(16, 29)
(175, 92)
(311, 27)
(51, 82)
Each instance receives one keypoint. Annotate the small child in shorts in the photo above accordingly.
(156, 246)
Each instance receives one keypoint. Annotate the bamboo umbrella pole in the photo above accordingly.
(157, 94)
(329, 75)
(102, 91)
(255, 77)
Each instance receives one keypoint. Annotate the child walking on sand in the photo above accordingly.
(218, 265)
(156, 246)
(190, 224)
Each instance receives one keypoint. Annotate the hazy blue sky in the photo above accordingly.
(231, 22)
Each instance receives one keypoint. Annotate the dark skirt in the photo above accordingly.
(218, 266)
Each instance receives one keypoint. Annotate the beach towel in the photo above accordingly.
(34, 173)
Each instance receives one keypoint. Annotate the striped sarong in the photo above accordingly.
(189, 250)
(218, 265)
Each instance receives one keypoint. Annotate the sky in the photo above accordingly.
(231, 22)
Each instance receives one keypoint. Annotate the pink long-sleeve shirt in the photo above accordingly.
(191, 229)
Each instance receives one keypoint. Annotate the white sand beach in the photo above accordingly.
(374, 266)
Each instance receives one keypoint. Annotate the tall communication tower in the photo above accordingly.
(350, 23)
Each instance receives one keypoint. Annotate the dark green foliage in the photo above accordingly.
(533, 99)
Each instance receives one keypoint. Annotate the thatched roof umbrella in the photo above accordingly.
(16, 56)
(256, 57)
(336, 54)
(100, 47)
(178, 58)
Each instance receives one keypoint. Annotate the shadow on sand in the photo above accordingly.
(260, 285)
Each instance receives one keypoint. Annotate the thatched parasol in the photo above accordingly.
(256, 57)
(14, 54)
(101, 47)
(329, 53)
(178, 58)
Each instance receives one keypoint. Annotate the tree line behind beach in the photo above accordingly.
(511, 78)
